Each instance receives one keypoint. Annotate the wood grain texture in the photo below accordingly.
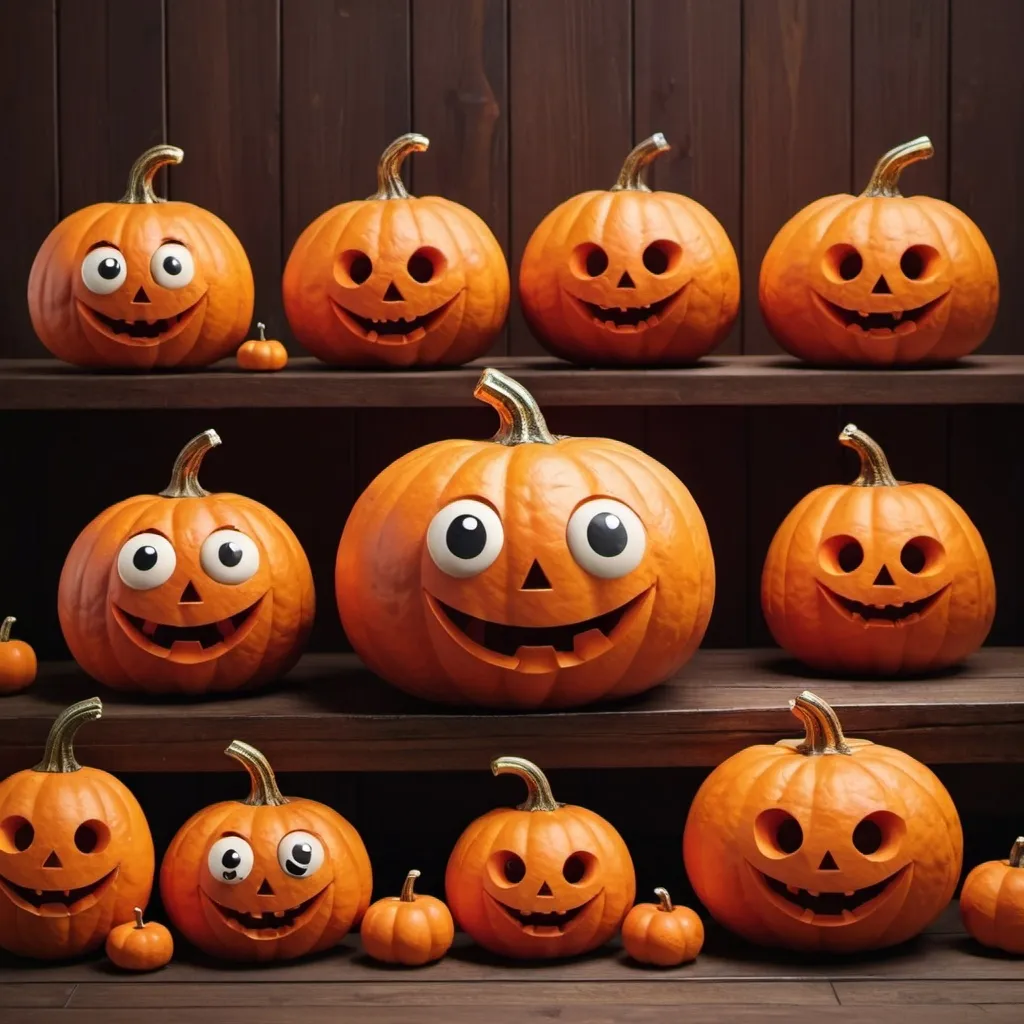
(35, 995)
(929, 993)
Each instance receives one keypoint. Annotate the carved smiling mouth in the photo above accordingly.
(541, 924)
(885, 614)
(57, 902)
(269, 925)
(392, 332)
(841, 906)
(205, 637)
(631, 318)
(901, 321)
(145, 332)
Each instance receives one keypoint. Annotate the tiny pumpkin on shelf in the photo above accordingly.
(140, 945)
(662, 934)
(409, 929)
(262, 353)
(17, 660)
(992, 902)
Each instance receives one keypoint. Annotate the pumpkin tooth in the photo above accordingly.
(278, 913)
(851, 892)
(794, 889)
(897, 314)
(39, 892)
(149, 628)
(67, 892)
(371, 335)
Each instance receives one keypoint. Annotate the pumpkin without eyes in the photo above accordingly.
(661, 934)
(262, 354)
(17, 660)
(408, 929)
(992, 902)
(878, 577)
(828, 843)
(140, 945)
(879, 278)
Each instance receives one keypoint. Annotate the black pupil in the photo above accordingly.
(850, 556)
(360, 268)
(86, 838)
(574, 869)
(912, 557)
(790, 836)
(302, 853)
(231, 859)
(850, 266)
(912, 264)
(172, 265)
(230, 554)
(466, 536)
(24, 835)
(655, 259)
(515, 869)
(145, 558)
(597, 262)
(867, 836)
(420, 267)
(109, 268)
(606, 534)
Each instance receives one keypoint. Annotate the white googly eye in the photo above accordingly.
(230, 860)
(172, 265)
(104, 270)
(300, 854)
(606, 538)
(229, 556)
(465, 537)
(146, 561)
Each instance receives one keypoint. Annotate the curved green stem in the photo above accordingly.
(5, 628)
(538, 789)
(664, 900)
(59, 754)
(630, 178)
(886, 175)
(263, 791)
(824, 734)
(389, 167)
(408, 896)
(140, 177)
(522, 422)
(874, 466)
(185, 474)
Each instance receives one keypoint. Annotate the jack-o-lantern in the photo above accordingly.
(879, 278)
(542, 880)
(992, 902)
(525, 571)
(878, 577)
(396, 280)
(828, 843)
(141, 283)
(629, 275)
(186, 591)
(76, 854)
(265, 878)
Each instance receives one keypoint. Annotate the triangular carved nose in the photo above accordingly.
(265, 889)
(393, 294)
(884, 578)
(190, 595)
(141, 296)
(626, 281)
(536, 579)
(881, 287)
(828, 863)
(545, 890)
(53, 861)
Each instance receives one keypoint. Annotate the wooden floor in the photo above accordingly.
(942, 978)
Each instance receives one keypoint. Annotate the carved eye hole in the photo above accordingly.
(661, 256)
(16, 834)
(843, 262)
(514, 868)
(912, 557)
(424, 264)
(789, 835)
(92, 836)
(357, 265)
(917, 261)
(778, 832)
(850, 556)
(578, 867)
(867, 836)
(921, 554)
(589, 260)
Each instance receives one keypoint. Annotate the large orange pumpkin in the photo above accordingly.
(823, 844)
(629, 275)
(525, 571)
(76, 854)
(542, 880)
(394, 280)
(265, 878)
(878, 577)
(992, 902)
(143, 282)
(186, 591)
(879, 278)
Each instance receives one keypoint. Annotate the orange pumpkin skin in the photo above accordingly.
(192, 323)
(417, 619)
(262, 354)
(879, 279)
(263, 620)
(992, 902)
(661, 934)
(17, 660)
(140, 946)
(629, 275)
(409, 929)
(541, 858)
(395, 280)
(828, 816)
(65, 827)
(876, 577)
(252, 845)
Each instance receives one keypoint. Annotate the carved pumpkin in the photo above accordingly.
(186, 591)
(140, 945)
(409, 929)
(629, 275)
(542, 880)
(143, 282)
(265, 878)
(526, 571)
(823, 844)
(262, 354)
(75, 850)
(17, 660)
(393, 280)
(661, 934)
(878, 577)
(992, 902)
(879, 278)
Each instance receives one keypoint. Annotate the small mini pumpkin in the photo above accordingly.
(265, 878)
(17, 660)
(542, 880)
(262, 354)
(143, 282)
(76, 854)
(140, 945)
(879, 278)
(828, 844)
(409, 929)
(525, 571)
(662, 934)
(992, 902)
(186, 591)
(878, 577)
(629, 275)
(394, 280)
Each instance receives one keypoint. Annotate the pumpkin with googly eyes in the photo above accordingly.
(186, 591)
(265, 878)
(527, 571)
(141, 283)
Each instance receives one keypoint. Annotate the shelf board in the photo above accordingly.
(331, 714)
(307, 383)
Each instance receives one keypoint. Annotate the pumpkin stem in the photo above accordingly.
(664, 900)
(59, 755)
(874, 466)
(139, 923)
(5, 628)
(185, 474)
(630, 177)
(408, 896)
(262, 328)
(389, 167)
(824, 733)
(522, 422)
(1017, 853)
(140, 177)
(538, 789)
(264, 791)
(886, 176)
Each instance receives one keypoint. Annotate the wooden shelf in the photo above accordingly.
(307, 383)
(333, 715)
